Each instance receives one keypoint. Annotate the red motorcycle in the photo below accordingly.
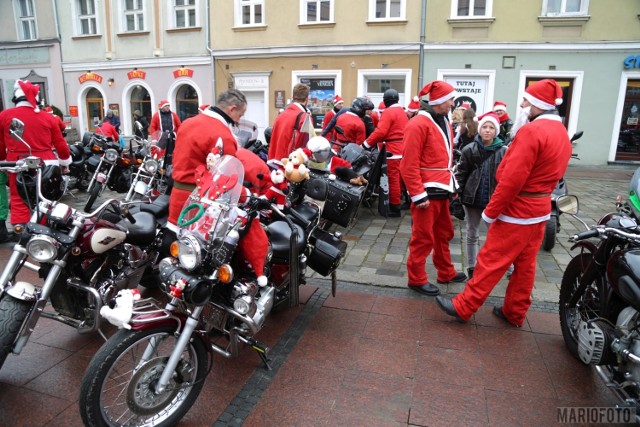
(82, 259)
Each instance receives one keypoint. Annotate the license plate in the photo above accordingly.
(101, 177)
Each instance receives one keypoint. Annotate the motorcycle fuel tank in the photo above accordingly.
(623, 271)
(100, 237)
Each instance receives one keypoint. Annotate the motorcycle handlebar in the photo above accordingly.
(607, 230)
(586, 235)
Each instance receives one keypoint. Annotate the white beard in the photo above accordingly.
(521, 119)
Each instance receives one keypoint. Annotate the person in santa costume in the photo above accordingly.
(338, 103)
(427, 171)
(519, 209)
(323, 158)
(108, 130)
(390, 131)
(282, 141)
(500, 108)
(57, 119)
(41, 132)
(413, 107)
(376, 114)
(168, 123)
(352, 124)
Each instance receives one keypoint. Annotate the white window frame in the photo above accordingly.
(239, 4)
(624, 80)
(29, 20)
(304, 18)
(77, 22)
(584, 9)
(488, 10)
(372, 11)
(365, 74)
(172, 15)
(136, 14)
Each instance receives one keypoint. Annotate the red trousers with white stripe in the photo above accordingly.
(506, 244)
(395, 189)
(431, 229)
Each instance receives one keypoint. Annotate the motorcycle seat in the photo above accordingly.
(280, 235)
(143, 231)
(159, 208)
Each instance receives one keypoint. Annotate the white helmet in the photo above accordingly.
(320, 148)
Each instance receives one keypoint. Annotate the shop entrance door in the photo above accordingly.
(629, 137)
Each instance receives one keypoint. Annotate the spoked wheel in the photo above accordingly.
(587, 306)
(119, 386)
(550, 230)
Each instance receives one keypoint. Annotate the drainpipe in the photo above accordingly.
(213, 59)
(423, 22)
(54, 5)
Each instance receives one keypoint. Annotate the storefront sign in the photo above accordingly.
(470, 89)
(73, 110)
(136, 74)
(183, 72)
(632, 62)
(90, 76)
(279, 98)
(321, 93)
(251, 82)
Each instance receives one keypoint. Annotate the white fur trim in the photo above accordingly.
(493, 121)
(262, 281)
(65, 162)
(538, 103)
(487, 219)
(442, 99)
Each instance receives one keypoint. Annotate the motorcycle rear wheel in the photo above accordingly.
(12, 314)
(587, 307)
(549, 239)
(117, 389)
(95, 191)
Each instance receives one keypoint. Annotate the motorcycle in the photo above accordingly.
(152, 373)
(148, 181)
(600, 300)
(110, 166)
(553, 223)
(78, 176)
(83, 259)
(248, 138)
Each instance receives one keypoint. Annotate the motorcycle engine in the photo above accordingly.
(594, 342)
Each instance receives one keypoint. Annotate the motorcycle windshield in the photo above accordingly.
(211, 208)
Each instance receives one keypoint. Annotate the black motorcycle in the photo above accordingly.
(600, 300)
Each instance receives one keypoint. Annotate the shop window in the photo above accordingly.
(249, 13)
(26, 17)
(321, 93)
(94, 108)
(140, 100)
(629, 136)
(387, 10)
(187, 102)
(316, 11)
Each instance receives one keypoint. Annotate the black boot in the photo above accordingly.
(5, 236)
(470, 272)
(394, 211)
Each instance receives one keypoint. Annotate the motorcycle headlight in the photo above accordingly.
(111, 155)
(189, 252)
(42, 248)
(151, 166)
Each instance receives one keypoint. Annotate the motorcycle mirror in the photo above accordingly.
(568, 204)
(16, 130)
(577, 136)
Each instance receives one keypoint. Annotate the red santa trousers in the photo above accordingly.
(395, 188)
(20, 213)
(506, 244)
(431, 229)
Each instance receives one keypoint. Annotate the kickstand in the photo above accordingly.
(262, 351)
(104, 337)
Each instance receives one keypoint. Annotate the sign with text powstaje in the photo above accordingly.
(471, 89)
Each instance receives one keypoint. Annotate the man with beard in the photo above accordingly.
(518, 210)
(500, 108)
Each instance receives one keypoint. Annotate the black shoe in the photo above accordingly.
(394, 214)
(470, 272)
(458, 278)
(497, 311)
(446, 304)
(427, 289)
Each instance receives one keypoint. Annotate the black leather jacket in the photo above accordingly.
(470, 168)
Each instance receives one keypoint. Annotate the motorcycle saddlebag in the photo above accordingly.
(327, 252)
(342, 202)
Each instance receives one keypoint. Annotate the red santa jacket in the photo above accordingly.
(156, 123)
(256, 171)
(200, 135)
(282, 131)
(353, 128)
(532, 166)
(427, 156)
(327, 118)
(108, 130)
(40, 132)
(391, 129)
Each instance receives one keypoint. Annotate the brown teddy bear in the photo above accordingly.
(295, 166)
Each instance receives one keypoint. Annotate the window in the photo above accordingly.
(564, 7)
(471, 8)
(133, 15)
(186, 102)
(384, 10)
(26, 20)
(249, 12)
(316, 11)
(185, 14)
(87, 17)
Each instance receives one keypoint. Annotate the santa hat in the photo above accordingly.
(49, 110)
(465, 106)
(29, 91)
(306, 154)
(163, 103)
(381, 106)
(544, 94)
(499, 106)
(489, 117)
(438, 92)
(414, 105)
(337, 100)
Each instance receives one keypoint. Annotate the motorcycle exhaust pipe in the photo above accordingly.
(615, 388)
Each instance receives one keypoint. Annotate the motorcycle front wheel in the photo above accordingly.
(12, 314)
(93, 195)
(118, 388)
(587, 306)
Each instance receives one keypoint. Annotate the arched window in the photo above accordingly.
(187, 100)
(140, 100)
(95, 109)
